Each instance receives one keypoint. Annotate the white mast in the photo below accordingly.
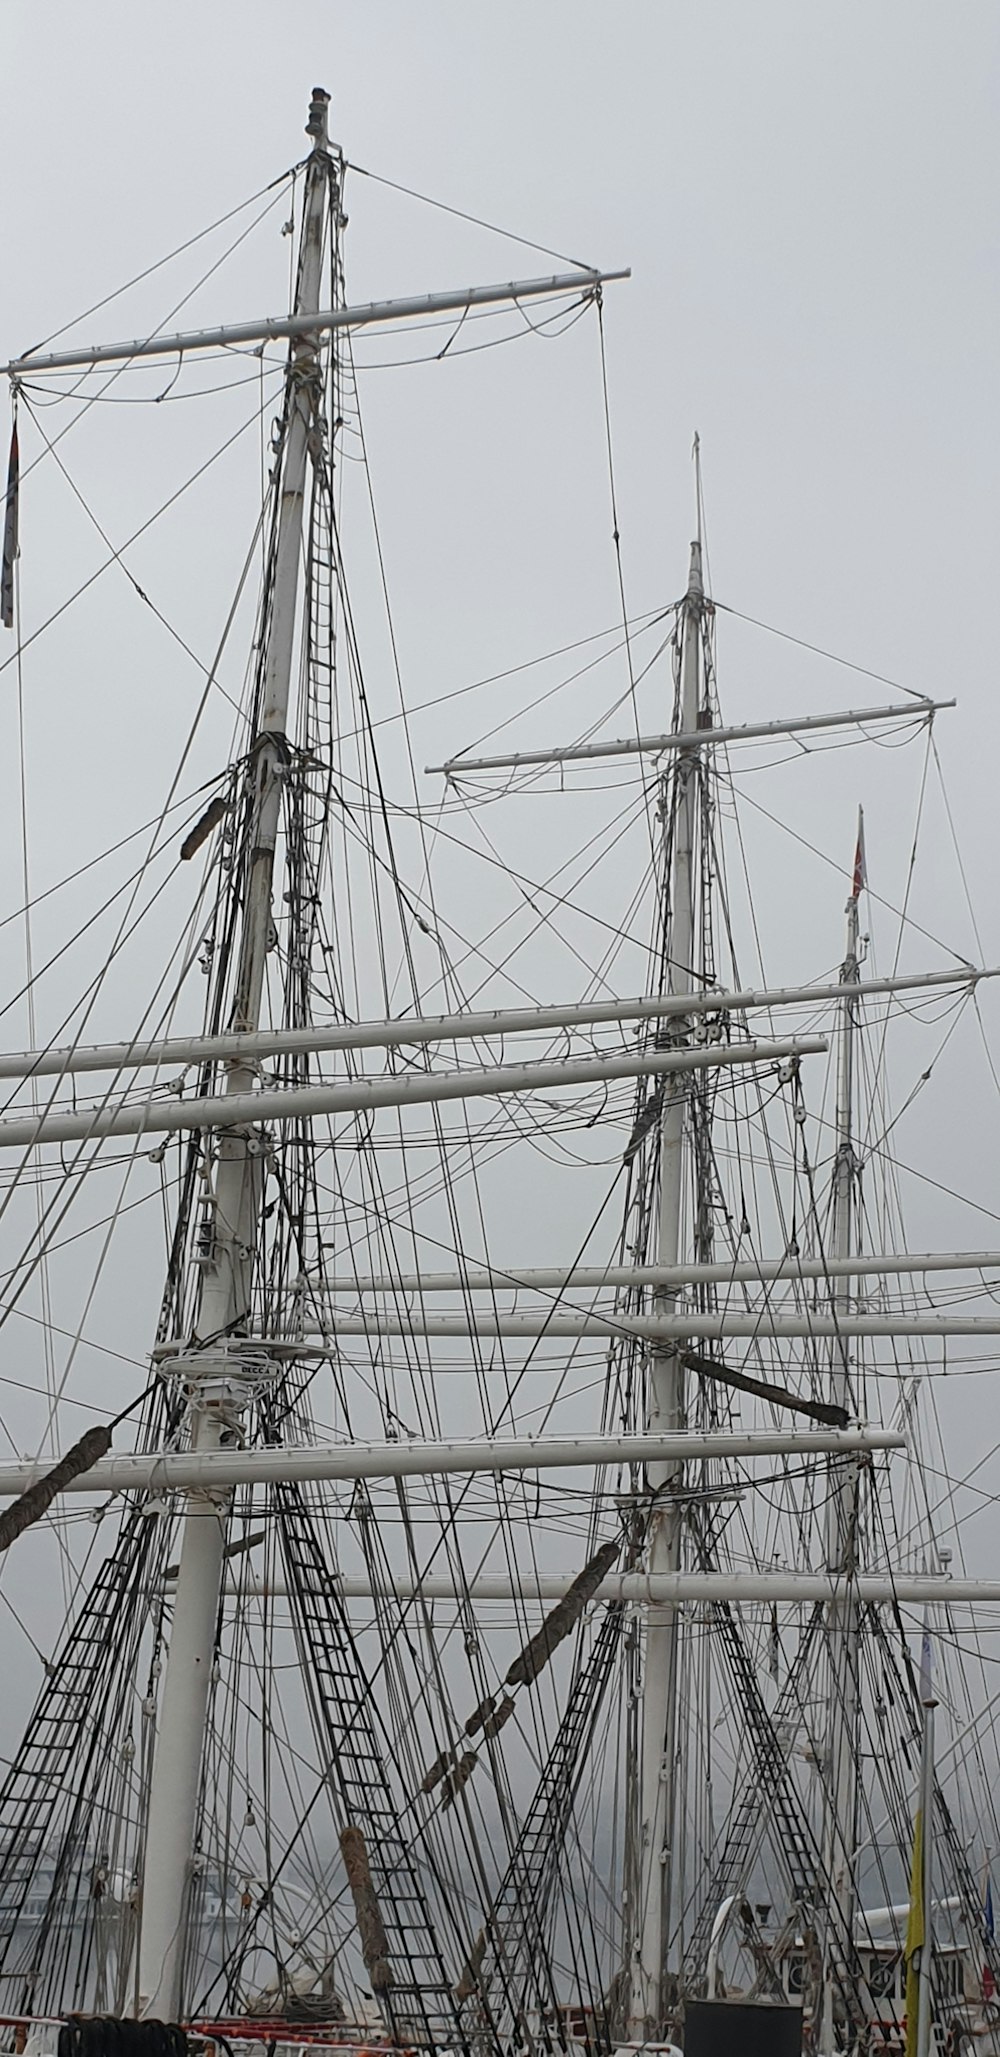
(226, 1282)
(841, 1770)
(925, 1969)
(665, 1411)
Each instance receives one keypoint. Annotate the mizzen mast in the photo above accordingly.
(841, 1768)
(214, 1400)
(666, 1400)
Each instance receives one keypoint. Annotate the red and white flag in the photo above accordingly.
(860, 869)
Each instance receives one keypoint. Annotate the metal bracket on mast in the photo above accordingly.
(222, 1380)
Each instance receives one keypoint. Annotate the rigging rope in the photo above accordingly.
(37, 1499)
(442, 206)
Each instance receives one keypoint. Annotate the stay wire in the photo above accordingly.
(112, 849)
(124, 929)
(837, 865)
(87, 401)
(426, 852)
(946, 802)
(119, 558)
(533, 776)
(816, 651)
(649, 788)
(160, 262)
(115, 557)
(44, 1279)
(903, 919)
(459, 213)
(641, 622)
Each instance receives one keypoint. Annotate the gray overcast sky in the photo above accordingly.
(806, 193)
(807, 196)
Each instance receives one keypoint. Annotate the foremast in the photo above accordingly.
(666, 1398)
(843, 1735)
(214, 1399)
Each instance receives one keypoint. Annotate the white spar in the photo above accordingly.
(289, 1103)
(205, 1471)
(489, 1025)
(515, 1278)
(693, 738)
(683, 1588)
(237, 335)
(649, 1328)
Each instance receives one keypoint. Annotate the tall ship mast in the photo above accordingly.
(509, 1606)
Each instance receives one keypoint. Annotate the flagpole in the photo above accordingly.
(924, 1991)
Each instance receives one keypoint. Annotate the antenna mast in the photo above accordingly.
(214, 1400)
(666, 1405)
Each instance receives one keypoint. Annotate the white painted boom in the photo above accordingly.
(694, 739)
(690, 1588)
(512, 1278)
(240, 334)
(217, 1470)
(404, 1032)
(654, 1328)
(237, 1110)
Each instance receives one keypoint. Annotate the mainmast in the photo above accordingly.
(215, 1402)
(841, 1784)
(665, 1407)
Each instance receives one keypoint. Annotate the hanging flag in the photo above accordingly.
(9, 536)
(860, 870)
(989, 1982)
(915, 1933)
